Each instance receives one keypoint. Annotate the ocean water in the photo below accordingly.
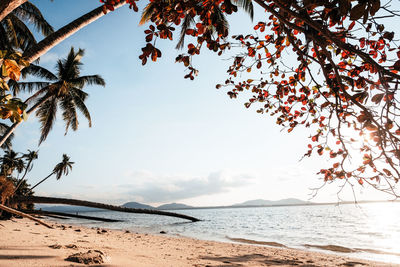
(371, 231)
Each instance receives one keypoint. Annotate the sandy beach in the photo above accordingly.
(24, 243)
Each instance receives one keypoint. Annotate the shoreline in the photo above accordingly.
(23, 243)
(360, 253)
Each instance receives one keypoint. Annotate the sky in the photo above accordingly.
(159, 138)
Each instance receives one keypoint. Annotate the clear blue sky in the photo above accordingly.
(159, 138)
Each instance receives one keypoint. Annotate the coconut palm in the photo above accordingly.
(14, 33)
(64, 91)
(153, 8)
(10, 162)
(29, 157)
(62, 168)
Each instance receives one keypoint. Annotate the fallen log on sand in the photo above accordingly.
(77, 202)
(16, 212)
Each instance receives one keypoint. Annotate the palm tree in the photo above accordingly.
(10, 162)
(62, 168)
(14, 33)
(156, 8)
(65, 92)
(30, 157)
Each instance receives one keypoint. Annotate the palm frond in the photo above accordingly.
(4, 41)
(82, 81)
(39, 72)
(246, 5)
(80, 93)
(70, 65)
(8, 143)
(222, 24)
(47, 115)
(10, 32)
(46, 90)
(79, 103)
(69, 114)
(17, 87)
(30, 13)
(19, 33)
(187, 22)
(147, 13)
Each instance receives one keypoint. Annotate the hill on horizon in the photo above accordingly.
(174, 206)
(264, 202)
(137, 205)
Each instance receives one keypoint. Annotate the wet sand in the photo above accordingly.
(23, 243)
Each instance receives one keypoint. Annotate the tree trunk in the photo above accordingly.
(51, 213)
(13, 211)
(76, 202)
(44, 179)
(7, 6)
(12, 128)
(58, 36)
(23, 176)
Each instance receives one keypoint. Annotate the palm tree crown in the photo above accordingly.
(65, 91)
(10, 162)
(14, 34)
(63, 168)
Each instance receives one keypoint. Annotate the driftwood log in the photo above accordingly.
(16, 212)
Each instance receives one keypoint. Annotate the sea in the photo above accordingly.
(366, 231)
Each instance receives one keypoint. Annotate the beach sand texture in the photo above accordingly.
(23, 243)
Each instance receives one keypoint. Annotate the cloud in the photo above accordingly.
(49, 57)
(151, 188)
(148, 187)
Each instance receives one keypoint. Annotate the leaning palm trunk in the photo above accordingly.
(7, 6)
(76, 202)
(12, 128)
(55, 38)
(16, 212)
(44, 179)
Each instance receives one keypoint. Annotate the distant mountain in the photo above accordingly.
(67, 209)
(263, 202)
(136, 205)
(174, 206)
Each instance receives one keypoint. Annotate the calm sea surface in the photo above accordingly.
(372, 230)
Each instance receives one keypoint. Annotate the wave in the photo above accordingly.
(255, 242)
(342, 249)
(334, 248)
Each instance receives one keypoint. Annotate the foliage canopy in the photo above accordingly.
(343, 85)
